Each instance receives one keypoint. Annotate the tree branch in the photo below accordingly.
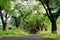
(8, 16)
(47, 4)
(58, 13)
(45, 9)
(21, 13)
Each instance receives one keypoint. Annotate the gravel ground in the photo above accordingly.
(31, 37)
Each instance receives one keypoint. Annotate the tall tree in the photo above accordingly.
(5, 5)
(22, 13)
(52, 9)
(16, 18)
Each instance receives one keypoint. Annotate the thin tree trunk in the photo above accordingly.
(54, 27)
(16, 22)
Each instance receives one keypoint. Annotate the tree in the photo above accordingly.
(7, 6)
(22, 14)
(52, 9)
(16, 19)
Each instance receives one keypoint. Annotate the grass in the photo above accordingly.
(14, 32)
(58, 37)
(48, 34)
(18, 32)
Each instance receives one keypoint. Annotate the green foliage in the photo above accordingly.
(34, 14)
(6, 5)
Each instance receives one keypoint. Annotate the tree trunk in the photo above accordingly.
(54, 27)
(4, 27)
(4, 23)
(16, 23)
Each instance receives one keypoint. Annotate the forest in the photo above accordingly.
(30, 17)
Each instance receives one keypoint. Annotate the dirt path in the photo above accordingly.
(31, 37)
